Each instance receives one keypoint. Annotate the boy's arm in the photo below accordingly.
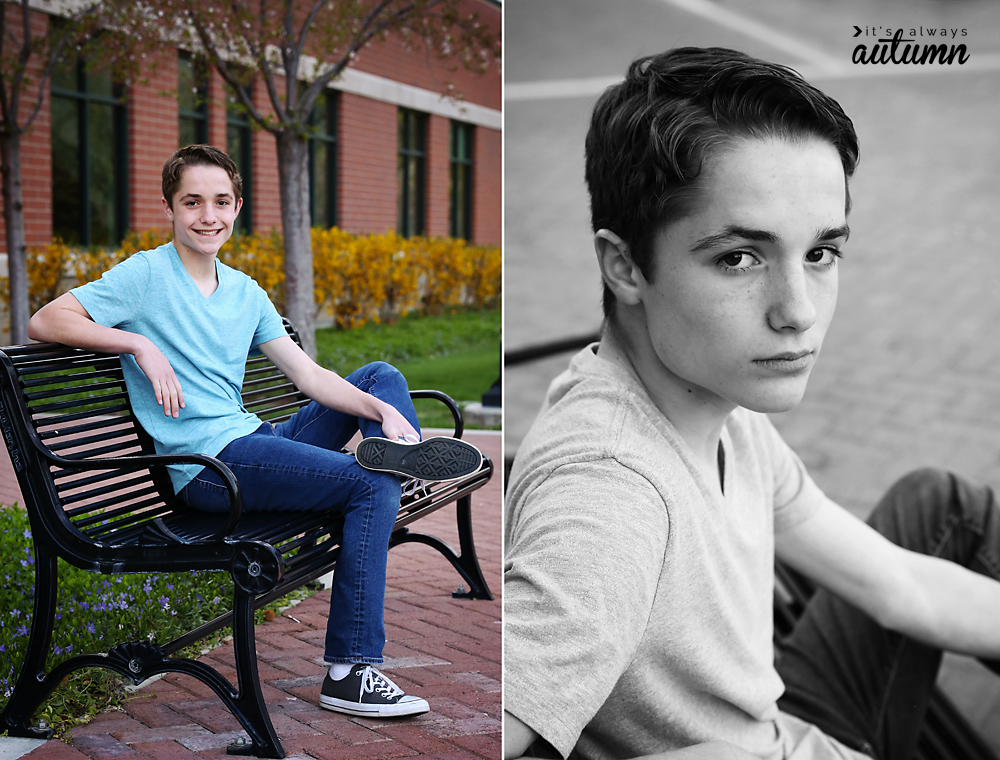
(932, 600)
(517, 737)
(65, 321)
(332, 391)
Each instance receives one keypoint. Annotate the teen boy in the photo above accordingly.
(184, 323)
(649, 500)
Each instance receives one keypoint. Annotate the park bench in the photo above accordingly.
(99, 497)
(946, 734)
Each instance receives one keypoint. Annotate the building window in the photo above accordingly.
(89, 158)
(192, 101)
(460, 184)
(323, 162)
(411, 172)
(238, 145)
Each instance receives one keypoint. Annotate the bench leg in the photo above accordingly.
(249, 706)
(32, 688)
(466, 562)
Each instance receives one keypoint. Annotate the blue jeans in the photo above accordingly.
(860, 683)
(298, 465)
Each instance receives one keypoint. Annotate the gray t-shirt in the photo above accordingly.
(637, 598)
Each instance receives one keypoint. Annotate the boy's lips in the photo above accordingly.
(787, 362)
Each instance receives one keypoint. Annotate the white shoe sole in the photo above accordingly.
(410, 706)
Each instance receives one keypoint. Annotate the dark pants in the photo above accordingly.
(298, 465)
(864, 685)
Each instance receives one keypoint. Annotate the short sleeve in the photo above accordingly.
(116, 299)
(796, 495)
(269, 324)
(584, 554)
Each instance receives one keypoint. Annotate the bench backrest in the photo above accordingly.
(60, 405)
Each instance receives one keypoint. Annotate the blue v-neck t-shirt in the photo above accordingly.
(205, 339)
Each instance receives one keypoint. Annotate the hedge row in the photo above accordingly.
(357, 278)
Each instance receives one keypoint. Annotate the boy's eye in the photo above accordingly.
(826, 256)
(738, 260)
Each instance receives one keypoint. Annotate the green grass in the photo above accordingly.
(458, 353)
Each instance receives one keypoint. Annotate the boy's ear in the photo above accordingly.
(167, 211)
(620, 273)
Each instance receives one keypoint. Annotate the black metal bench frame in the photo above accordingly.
(946, 734)
(99, 497)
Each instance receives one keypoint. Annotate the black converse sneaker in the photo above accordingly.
(367, 692)
(433, 460)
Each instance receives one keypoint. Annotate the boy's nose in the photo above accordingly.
(792, 305)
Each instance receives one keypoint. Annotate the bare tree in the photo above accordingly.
(26, 63)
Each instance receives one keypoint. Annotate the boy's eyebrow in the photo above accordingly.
(734, 232)
(197, 196)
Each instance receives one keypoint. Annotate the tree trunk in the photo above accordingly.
(293, 178)
(13, 216)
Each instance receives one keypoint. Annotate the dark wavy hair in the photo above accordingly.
(651, 134)
(197, 155)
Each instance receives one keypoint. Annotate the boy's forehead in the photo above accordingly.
(202, 180)
(789, 188)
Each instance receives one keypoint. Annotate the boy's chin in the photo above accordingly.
(774, 402)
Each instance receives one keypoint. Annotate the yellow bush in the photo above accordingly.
(356, 278)
(46, 265)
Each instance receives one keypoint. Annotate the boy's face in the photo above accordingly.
(204, 209)
(744, 289)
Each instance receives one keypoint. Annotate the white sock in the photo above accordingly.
(339, 670)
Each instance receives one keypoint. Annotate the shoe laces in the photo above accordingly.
(374, 681)
(416, 488)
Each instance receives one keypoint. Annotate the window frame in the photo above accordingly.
(83, 98)
(199, 116)
(329, 102)
(460, 208)
(410, 161)
(239, 122)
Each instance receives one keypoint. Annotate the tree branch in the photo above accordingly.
(222, 66)
(54, 54)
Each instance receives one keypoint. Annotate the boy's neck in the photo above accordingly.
(697, 417)
(201, 267)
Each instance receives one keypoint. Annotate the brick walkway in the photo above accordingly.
(443, 649)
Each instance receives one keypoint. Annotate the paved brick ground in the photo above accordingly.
(446, 650)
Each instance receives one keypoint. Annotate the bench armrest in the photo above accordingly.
(448, 401)
(141, 461)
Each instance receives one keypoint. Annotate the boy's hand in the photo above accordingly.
(395, 426)
(161, 375)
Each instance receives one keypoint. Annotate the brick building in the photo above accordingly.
(390, 153)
